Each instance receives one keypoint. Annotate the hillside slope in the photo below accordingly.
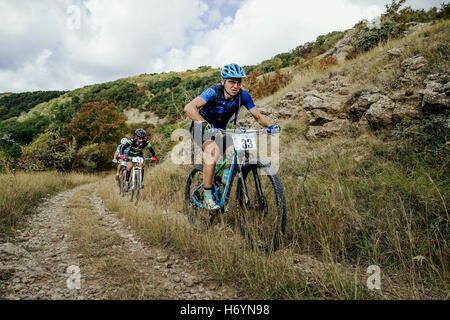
(373, 191)
(364, 158)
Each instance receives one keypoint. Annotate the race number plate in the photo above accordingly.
(138, 159)
(244, 141)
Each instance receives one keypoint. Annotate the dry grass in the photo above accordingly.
(21, 192)
(103, 254)
(159, 219)
(349, 205)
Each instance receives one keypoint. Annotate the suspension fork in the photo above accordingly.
(241, 178)
(261, 199)
(137, 177)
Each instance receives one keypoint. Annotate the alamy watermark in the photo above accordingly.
(74, 279)
(374, 280)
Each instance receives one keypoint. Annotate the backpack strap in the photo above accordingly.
(237, 112)
(220, 94)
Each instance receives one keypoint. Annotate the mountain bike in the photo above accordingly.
(260, 201)
(122, 172)
(136, 178)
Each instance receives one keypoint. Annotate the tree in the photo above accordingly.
(392, 10)
(97, 123)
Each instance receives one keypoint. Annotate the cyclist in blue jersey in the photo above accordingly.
(213, 109)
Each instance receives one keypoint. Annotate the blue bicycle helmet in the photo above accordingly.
(233, 71)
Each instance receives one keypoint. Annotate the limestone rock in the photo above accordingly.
(396, 52)
(342, 48)
(414, 63)
(436, 95)
(329, 129)
(319, 117)
(380, 113)
(13, 250)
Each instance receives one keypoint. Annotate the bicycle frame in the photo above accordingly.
(236, 167)
(136, 171)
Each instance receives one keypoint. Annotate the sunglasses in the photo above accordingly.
(235, 81)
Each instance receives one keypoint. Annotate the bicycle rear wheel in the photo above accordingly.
(201, 219)
(262, 216)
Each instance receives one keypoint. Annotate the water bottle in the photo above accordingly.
(225, 176)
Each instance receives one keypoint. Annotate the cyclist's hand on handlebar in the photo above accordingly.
(274, 129)
(241, 129)
(115, 161)
(208, 127)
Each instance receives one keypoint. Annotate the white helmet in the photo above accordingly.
(123, 141)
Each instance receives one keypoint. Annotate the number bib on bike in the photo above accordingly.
(244, 141)
(138, 159)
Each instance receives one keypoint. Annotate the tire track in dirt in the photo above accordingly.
(73, 228)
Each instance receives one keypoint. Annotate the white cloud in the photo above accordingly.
(115, 39)
(264, 28)
(119, 38)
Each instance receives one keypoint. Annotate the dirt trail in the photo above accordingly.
(62, 235)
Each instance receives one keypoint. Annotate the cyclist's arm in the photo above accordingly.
(152, 151)
(259, 117)
(192, 108)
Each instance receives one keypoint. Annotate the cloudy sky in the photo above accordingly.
(67, 44)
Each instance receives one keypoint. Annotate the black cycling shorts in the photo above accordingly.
(223, 142)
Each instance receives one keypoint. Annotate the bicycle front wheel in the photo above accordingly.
(132, 185)
(137, 184)
(261, 206)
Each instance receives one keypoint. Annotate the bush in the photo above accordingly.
(371, 37)
(95, 157)
(47, 152)
(424, 140)
(267, 84)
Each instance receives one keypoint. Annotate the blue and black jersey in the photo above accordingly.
(218, 110)
(134, 148)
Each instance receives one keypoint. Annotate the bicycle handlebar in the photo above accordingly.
(258, 131)
(131, 158)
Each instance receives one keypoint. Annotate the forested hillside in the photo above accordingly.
(27, 119)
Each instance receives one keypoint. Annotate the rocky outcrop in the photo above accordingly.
(412, 68)
(395, 52)
(330, 105)
(379, 115)
(329, 129)
(436, 95)
(342, 48)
